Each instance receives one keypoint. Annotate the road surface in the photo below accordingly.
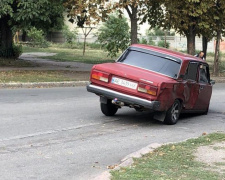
(60, 133)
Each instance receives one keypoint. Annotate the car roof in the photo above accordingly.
(182, 56)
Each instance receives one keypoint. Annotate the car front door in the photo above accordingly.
(205, 88)
(191, 86)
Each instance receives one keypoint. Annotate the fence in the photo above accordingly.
(180, 42)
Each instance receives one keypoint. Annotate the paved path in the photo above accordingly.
(48, 64)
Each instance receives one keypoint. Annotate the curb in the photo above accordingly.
(128, 160)
(43, 84)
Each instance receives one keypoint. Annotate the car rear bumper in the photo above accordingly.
(128, 99)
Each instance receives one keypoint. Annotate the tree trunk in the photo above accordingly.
(84, 47)
(217, 54)
(134, 23)
(165, 40)
(134, 38)
(204, 45)
(191, 41)
(6, 38)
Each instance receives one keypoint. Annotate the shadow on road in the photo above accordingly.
(131, 117)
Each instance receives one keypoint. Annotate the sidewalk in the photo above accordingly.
(48, 64)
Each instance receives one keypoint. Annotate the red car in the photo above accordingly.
(152, 78)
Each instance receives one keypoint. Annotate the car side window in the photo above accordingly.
(192, 71)
(203, 74)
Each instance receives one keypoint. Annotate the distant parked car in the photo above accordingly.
(151, 78)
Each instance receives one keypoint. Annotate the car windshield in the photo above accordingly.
(163, 65)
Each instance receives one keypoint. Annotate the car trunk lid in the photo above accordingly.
(132, 80)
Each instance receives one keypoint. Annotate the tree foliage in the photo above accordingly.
(94, 11)
(187, 17)
(190, 18)
(24, 14)
(114, 35)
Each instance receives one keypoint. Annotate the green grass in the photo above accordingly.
(25, 76)
(174, 161)
(92, 56)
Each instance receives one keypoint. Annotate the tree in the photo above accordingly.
(23, 14)
(114, 35)
(218, 23)
(187, 17)
(98, 10)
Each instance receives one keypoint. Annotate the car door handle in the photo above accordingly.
(201, 87)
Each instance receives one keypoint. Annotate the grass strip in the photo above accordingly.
(29, 76)
(173, 161)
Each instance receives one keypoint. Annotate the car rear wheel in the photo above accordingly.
(172, 115)
(109, 109)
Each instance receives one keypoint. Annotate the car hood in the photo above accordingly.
(134, 73)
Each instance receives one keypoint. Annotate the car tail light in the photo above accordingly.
(147, 89)
(102, 76)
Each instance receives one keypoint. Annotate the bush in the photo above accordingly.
(70, 36)
(162, 44)
(17, 50)
(114, 35)
(13, 52)
(143, 41)
(151, 42)
(37, 38)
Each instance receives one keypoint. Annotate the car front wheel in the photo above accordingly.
(109, 109)
(172, 115)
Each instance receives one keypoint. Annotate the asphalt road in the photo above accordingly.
(60, 133)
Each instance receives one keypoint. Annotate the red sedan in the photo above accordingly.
(151, 78)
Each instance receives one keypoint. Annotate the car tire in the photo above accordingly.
(108, 109)
(173, 113)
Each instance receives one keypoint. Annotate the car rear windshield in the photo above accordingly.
(163, 65)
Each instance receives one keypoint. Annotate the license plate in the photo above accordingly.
(124, 83)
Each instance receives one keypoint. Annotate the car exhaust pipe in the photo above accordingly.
(118, 103)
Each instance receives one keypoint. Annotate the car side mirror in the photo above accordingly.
(212, 82)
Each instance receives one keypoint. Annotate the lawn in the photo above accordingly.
(174, 161)
(97, 55)
(92, 56)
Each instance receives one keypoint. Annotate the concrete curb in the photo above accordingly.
(43, 84)
(128, 160)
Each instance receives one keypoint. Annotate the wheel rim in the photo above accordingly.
(175, 111)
